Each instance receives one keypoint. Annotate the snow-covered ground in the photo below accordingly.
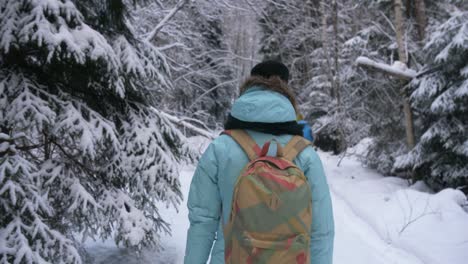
(379, 220)
(384, 220)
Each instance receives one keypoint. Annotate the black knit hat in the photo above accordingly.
(271, 68)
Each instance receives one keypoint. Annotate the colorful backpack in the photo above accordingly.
(271, 212)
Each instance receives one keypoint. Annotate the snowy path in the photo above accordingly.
(356, 240)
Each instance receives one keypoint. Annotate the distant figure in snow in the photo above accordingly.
(259, 192)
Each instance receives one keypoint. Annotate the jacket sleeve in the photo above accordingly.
(204, 205)
(323, 229)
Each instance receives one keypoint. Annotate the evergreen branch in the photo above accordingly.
(28, 148)
(72, 158)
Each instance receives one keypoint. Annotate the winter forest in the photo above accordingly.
(106, 106)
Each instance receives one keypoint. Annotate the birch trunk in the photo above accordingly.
(399, 22)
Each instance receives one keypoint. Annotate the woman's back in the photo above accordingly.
(212, 186)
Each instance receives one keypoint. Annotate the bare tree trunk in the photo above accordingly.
(421, 18)
(340, 110)
(336, 55)
(408, 8)
(333, 70)
(399, 22)
(325, 47)
(47, 149)
(305, 76)
(409, 122)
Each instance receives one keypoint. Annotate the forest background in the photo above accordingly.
(97, 99)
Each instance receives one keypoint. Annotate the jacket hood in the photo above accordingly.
(260, 104)
(273, 83)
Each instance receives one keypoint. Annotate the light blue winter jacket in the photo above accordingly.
(211, 191)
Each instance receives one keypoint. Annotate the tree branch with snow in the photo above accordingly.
(161, 24)
(398, 69)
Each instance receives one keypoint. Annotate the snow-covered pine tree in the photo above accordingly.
(441, 97)
(82, 153)
(195, 47)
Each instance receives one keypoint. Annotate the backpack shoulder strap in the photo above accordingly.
(246, 142)
(295, 146)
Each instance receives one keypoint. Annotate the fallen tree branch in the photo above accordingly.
(397, 70)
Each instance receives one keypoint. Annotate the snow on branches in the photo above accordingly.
(398, 68)
(25, 235)
(82, 153)
(441, 96)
